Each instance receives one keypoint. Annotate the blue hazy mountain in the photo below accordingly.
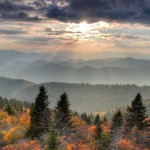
(58, 67)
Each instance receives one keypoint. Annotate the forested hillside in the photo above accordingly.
(83, 97)
(110, 113)
(37, 127)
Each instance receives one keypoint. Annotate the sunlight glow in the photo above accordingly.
(103, 24)
(83, 27)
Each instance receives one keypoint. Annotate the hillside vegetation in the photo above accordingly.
(37, 127)
(92, 98)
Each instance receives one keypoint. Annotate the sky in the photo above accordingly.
(75, 25)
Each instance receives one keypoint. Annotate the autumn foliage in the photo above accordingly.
(24, 145)
(80, 134)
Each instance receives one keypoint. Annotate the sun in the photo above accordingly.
(83, 27)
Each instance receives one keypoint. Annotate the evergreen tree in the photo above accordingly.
(21, 109)
(89, 120)
(104, 119)
(97, 120)
(84, 117)
(63, 109)
(53, 140)
(135, 115)
(25, 110)
(63, 105)
(75, 113)
(92, 118)
(105, 141)
(38, 118)
(98, 133)
(117, 122)
(9, 109)
(63, 112)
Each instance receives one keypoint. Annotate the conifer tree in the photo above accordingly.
(37, 121)
(105, 141)
(89, 120)
(104, 119)
(25, 110)
(63, 105)
(75, 113)
(21, 109)
(84, 117)
(117, 122)
(92, 118)
(9, 109)
(98, 133)
(97, 120)
(53, 141)
(135, 115)
(63, 112)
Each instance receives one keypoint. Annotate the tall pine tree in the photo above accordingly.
(135, 115)
(9, 109)
(53, 141)
(63, 112)
(63, 105)
(98, 132)
(97, 120)
(38, 110)
(116, 125)
(84, 117)
(117, 120)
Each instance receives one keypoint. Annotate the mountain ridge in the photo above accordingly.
(83, 97)
(58, 67)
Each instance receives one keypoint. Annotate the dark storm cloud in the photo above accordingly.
(19, 16)
(16, 10)
(107, 10)
(132, 11)
(7, 5)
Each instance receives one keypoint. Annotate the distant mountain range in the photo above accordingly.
(52, 67)
(83, 97)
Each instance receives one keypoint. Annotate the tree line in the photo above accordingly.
(49, 125)
(12, 105)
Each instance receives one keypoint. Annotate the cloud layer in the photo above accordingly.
(132, 11)
(75, 25)
(96, 10)
(17, 10)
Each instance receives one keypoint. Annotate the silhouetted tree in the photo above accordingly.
(63, 112)
(104, 119)
(9, 109)
(84, 117)
(97, 120)
(38, 118)
(117, 122)
(98, 132)
(135, 115)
